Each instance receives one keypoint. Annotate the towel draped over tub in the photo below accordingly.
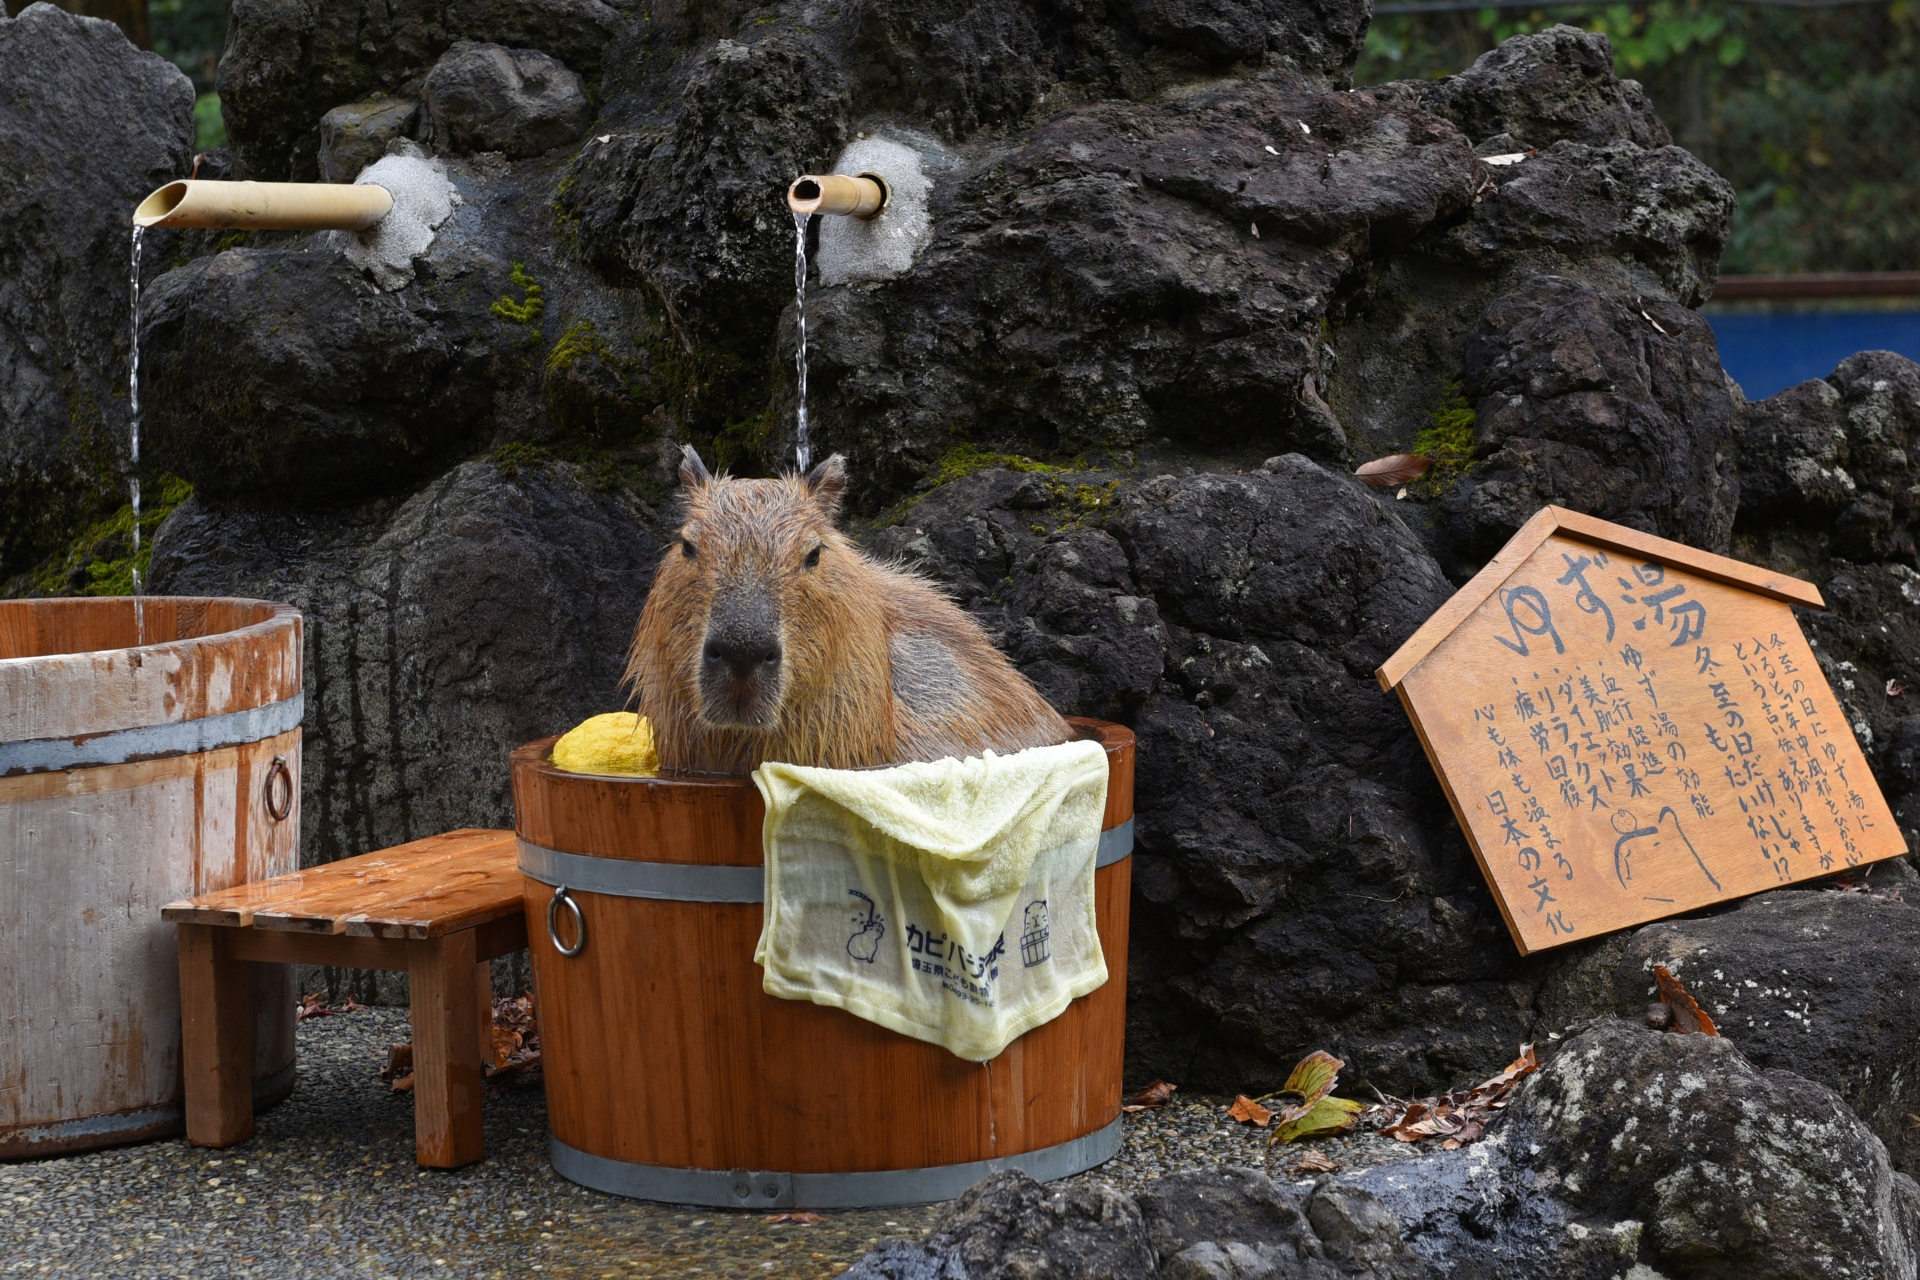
(949, 901)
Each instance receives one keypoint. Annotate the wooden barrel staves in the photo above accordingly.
(131, 775)
(672, 1076)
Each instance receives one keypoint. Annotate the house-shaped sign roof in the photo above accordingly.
(1628, 728)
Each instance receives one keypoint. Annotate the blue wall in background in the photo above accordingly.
(1767, 352)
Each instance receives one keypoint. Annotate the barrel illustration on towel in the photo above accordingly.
(1034, 933)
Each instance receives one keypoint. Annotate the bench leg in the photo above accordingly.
(446, 1055)
(216, 1039)
(483, 987)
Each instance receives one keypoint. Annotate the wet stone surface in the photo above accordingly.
(328, 1187)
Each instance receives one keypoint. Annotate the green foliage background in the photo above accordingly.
(1812, 114)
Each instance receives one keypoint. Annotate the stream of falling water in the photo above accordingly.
(133, 452)
(803, 449)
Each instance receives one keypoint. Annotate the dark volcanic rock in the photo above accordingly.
(1824, 468)
(483, 97)
(1818, 983)
(286, 373)
(354, 136)
(1539, 89)
(1638, 1153)
(88, 125)
(1298, 884)
(442, 632)
(1733, 1170)
(694, 209)
(1227, 1224)
(287, 64)
(1009, 1227)
(1631, 223)
(1617, 409)
(283, 372)
(1134, 272)
(1659, 213)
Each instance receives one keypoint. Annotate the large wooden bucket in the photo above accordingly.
(672, 1076)
(131, 775)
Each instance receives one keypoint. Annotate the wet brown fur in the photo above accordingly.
(841, 624)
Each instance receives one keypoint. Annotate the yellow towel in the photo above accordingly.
(618, 743)
(950, 901)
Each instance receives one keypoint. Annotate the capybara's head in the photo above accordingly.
(751, 588)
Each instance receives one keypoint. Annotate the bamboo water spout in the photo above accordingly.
(265, 206)
(860, 196)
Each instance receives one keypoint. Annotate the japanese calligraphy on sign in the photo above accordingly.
(1628, 728)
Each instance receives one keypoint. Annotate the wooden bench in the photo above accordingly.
(438, 908)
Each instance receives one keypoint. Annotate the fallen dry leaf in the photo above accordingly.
(516, 1042)
(403, 1084)
(1306, 1109)
(399, 1061)
(1157, 1094)
(800, 1219)
(1316, 1162)
(1459, 1116)
(1688, 1016)
(1247, 1111)
(1395, 469)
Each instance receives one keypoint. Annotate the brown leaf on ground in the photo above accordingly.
(1306, 1111)
(1395, 469)
(798, 1219)
(403, 1084)
(1688, 1017)
(1315, 1162)
(399, 1062)
(1247, 1111)
(1157, 1094)
(1459, 1116)
(516, 1042)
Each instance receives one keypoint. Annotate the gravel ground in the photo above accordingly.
(328, 1187)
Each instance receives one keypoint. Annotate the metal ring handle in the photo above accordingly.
(280, 782)
(561, 895)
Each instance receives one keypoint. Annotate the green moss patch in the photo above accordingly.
(525, 311)
(101, 561)
(1447, 439)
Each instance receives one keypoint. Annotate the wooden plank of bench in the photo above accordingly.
(352, 884)
(481, 891)
(357, 888)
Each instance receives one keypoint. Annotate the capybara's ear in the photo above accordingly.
(693, 472)
(828, 481)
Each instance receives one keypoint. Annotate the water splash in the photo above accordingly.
(133, 451)
(803, 449)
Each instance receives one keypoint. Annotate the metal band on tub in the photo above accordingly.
(880, 1189)
(152, 741)
(701, 882)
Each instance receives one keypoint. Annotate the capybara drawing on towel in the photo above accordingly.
(769, 636)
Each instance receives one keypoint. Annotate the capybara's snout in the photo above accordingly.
(740, 664)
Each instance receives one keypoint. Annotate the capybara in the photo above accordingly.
(769, 636)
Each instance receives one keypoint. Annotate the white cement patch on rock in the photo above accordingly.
(885, 245)
(423, 198)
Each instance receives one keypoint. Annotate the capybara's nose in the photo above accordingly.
(743, 659)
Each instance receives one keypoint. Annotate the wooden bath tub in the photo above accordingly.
(672, 1076)
(132, 775)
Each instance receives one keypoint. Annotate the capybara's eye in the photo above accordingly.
(813, 558)
(688, 550)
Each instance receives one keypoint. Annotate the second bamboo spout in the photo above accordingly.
(860, 196)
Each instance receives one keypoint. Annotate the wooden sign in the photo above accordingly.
(1628, 728)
